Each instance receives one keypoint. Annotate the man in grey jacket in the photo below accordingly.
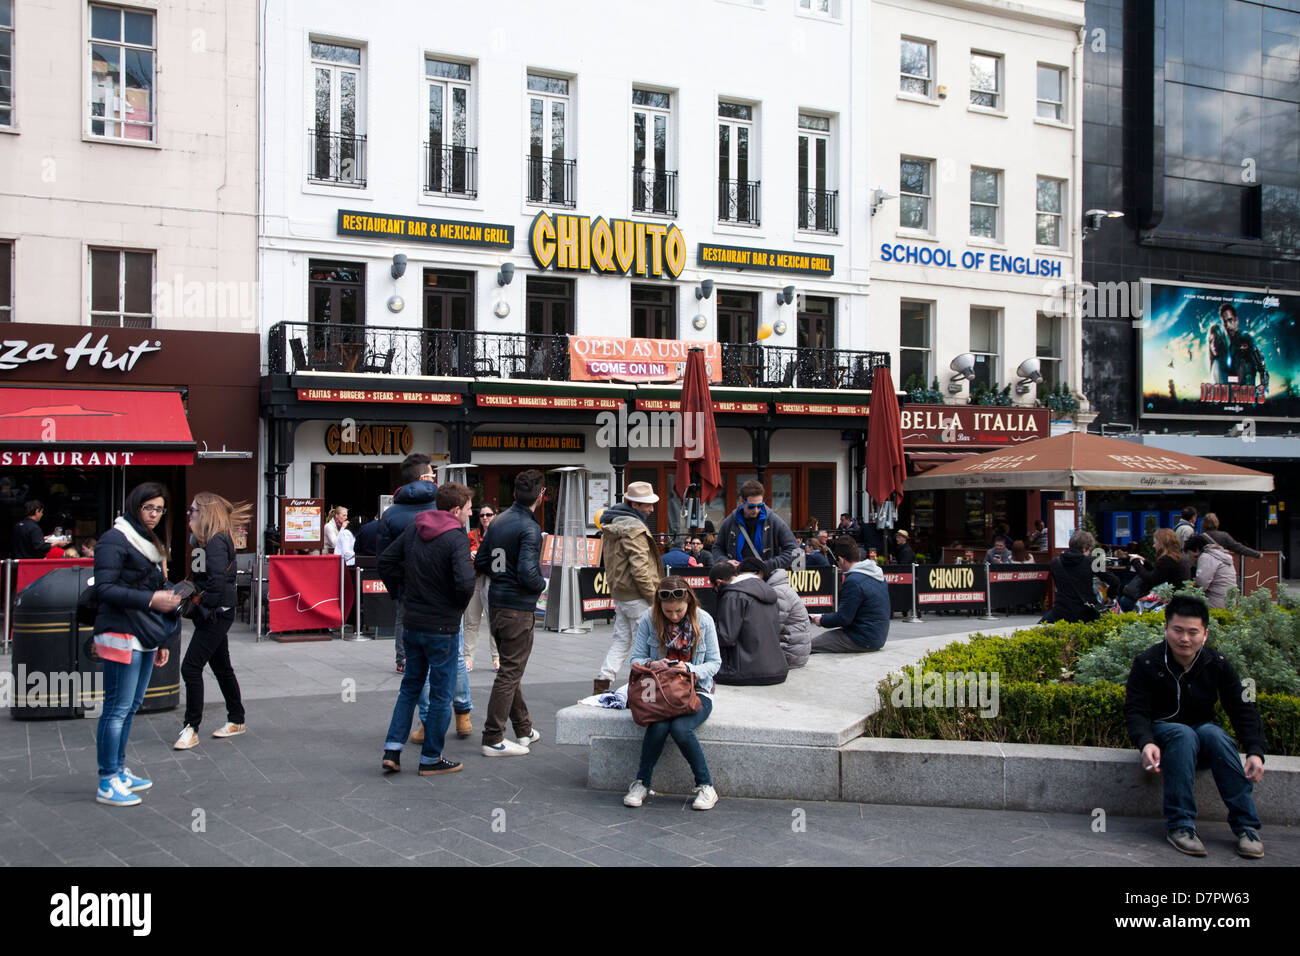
(796, 633)
(754, 531)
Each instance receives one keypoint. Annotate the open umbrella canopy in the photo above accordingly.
(886, 472)
(697, 449)
(1079, 460)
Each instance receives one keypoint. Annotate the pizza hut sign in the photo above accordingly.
(15, 353)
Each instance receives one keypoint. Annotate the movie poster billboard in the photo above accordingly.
(1215, 351)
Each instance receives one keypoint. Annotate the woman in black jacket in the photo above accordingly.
(130, 586)
(213, 520)
(1072, 581)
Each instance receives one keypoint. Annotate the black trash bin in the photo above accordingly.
(51, 678)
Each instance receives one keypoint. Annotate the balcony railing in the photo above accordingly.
(387, 350)
(451, 170)
(759, 366)
(336, 157)
(654, 190)
(738, 201)
(550, 181)
(818, 210)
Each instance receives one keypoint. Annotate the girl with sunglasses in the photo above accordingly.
(677, 629)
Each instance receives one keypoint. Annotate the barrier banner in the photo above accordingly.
(1262, 572)
(1025, 585)
(378, 609)
(593, 594)
(303, 592)
(899, 579)
(28, 570)
(816, 588)
(943, 587)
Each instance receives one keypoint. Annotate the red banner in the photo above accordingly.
(32, 569)
(303, 592)
(599, 359)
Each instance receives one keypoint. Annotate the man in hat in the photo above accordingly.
(633, 568)
(903, 553)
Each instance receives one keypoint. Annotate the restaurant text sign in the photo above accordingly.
(765, 260)
(972, 425)
(371, 395)
(491, 235)
(598, 359)
(582, 244)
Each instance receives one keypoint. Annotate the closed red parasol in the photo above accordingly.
(885, 469)
(696, 451)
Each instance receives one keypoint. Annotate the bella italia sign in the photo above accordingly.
(972, 425)
(583, 244)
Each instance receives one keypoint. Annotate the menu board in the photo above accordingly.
(301, 523)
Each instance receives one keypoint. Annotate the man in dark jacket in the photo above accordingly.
(367, 543)
(417, 494)
(749, 626)
(430, 566)
(1072, 575)
(29, 540)
(861, 623)
(754, 531)
(510, 553)
(1169, 710)
(902, 550)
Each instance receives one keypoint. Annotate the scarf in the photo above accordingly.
(742, 550)
(135, 536)
(680, 640)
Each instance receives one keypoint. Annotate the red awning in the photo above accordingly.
(92, 427)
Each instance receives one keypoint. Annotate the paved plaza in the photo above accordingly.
(304, 786)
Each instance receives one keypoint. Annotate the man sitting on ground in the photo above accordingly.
(1169, 709)
(749, 625)
(862, 621)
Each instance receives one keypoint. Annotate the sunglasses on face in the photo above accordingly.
(673, 594)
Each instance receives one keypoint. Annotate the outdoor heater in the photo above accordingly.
(568, 552)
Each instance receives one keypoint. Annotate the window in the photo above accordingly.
(984, 345)
(1049, 351)
(821, 8)
(914, 344)
(915, 178)
(6, 281)
(654, 185)
(654, 312)
(986, 80)
(450, 159)
(815, 325)
(817, 201)
(1051, 194)
(1051, 92)
(6, 62)
(737, 317)
(916, 67)
(121, 288)
(338, 143)
(122, 74)
(738, 198)
(985, 202)
(549, 306)
(448, 317)
(550, 173)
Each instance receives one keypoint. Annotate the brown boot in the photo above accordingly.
(463, 727)
(599, 686)
(417, 735)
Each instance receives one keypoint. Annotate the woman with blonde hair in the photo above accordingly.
(1171, 567)
(213, 521)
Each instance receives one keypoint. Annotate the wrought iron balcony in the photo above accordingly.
(654, 190)
(762, 366)
(451, 170)
(550, 181)
(336, 157)
(819, 210)
(738, 201)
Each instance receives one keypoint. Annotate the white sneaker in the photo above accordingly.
(507, 748)
(230, 730)
(189, 738)
(705, 798)
(534, 735)
(635, 795)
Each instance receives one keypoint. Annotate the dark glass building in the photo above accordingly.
(1191, 112)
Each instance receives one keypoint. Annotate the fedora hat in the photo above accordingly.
(641, 493)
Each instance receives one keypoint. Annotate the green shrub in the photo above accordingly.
(1110, 660)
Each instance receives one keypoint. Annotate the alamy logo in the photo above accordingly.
(651, 430)
(936, 690)
(52, 689)
(76, 909)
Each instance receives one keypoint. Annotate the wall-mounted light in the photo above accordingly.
(1093, 218)
(506, 274)
(1030, 373)
(878, 199)
(501, 309)
(779, 326)
(785, 296)
(396, 303)
(399, 266)
(698, 323)
(964, 366)
(704, 289)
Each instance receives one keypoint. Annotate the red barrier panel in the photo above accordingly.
(33, 569)
(303, 592)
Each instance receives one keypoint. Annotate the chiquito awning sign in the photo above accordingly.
(581, 244)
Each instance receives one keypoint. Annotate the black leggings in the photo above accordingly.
(210, 646)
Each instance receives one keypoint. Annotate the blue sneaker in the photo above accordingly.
(133, 783)
(114, 792)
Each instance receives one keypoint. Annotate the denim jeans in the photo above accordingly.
(627, 614)
(682, 730)
(460, 701)
(1182, 750)
(430, 658)
(124, 689)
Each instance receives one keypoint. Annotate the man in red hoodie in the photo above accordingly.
(429, 565)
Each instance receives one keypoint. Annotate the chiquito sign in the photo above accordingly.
(583, 244)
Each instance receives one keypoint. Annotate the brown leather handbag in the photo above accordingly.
(661, 691)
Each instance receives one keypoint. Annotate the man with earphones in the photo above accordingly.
(1169, 709)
